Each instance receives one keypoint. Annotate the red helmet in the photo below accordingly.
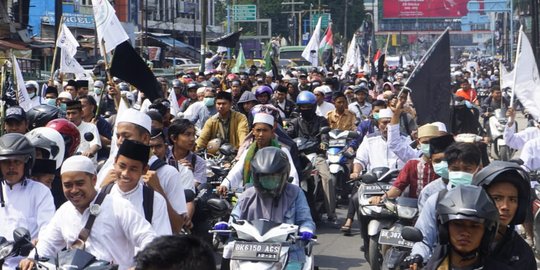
(232, 77)
(69, 132)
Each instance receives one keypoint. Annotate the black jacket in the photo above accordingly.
(514, 252)
(289, 107)
(441, 252)
(300, 127)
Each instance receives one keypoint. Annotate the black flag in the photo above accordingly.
(228, 40)
(430, 84)
(128, 65)
(380, 66)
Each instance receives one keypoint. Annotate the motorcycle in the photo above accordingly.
(65, 259)
(397, 248)
(375, 217)
(263, 244)
(338, 160)
(497, 123)
(310, 181)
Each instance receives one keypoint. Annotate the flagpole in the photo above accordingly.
(56, 48)
(386, 46)
(518, 54)
(2, 105)
(426, 55)
(110, 82)
(13, 72)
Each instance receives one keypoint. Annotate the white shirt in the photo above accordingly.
(361, 111)
(324, 108)
(160, 217)
(530, 154)
(118, 230)
(374, 152)
(517, 140)
(236, 176)
(84, 145)
(28, 204)
(401, 145)
(170, 180)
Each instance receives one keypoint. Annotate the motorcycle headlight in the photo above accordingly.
(333, 158)
(5, 250)
(406, 212)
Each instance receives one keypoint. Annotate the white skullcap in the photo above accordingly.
(323, 89)
(385, 113)
(78, 164)
(65, 94)
(136, 117)
(441, 126)
(201, 90)
(263, 118)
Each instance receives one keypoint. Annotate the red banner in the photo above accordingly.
(412, 9)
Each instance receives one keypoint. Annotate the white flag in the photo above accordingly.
(108, 26)
(22, 95)
(507, 77)
(175, 109)
(67, 41)
(311, 52)
(69, 64)
(527, 84)
(352, 58)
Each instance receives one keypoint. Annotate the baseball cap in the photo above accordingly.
(16, 113)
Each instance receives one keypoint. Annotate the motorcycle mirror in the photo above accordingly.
(6, 249)
(21, 235)
(412, 234)
(88, 136)
(227, 149)
(325, 130)
(368, 178)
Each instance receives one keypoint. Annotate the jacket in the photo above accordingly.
(300, 127)
(514, 252)
(238, 130)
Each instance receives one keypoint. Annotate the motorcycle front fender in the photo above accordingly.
(375, 226)
(335, 168)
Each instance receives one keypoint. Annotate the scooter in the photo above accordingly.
(375, 217)
(263, 244)
(397, 247)
(338, 160)
(497, 123)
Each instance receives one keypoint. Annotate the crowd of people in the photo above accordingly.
(79, 172)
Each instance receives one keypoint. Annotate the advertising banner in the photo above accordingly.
(412, 9)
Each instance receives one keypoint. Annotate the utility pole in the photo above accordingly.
(535, 30)
(293, 12)
(345, 20)
(204, 4)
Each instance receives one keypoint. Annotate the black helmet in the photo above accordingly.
(270, 170)
(17, 146)
(514, 174)
(470, 203)
(192, 85)
(40, 115)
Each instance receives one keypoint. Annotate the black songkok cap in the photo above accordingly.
(439, 144)
(135, 150)
(44, 166)
(82, 83)
(73, 105)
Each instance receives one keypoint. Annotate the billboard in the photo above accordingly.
(413, 9)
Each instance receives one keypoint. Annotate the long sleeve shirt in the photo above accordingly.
(427, 224)
(518, 140)
(374, 152)
(400, 146)
(118, 230)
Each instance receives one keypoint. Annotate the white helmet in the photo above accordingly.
(50, 140)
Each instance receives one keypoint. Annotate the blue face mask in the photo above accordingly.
(460, 178)
(424, 147)
(376, 116)
(97, 91)
(63, 107)
(441, 169)
(209, 101)
(51, 102)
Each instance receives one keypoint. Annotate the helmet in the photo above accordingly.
(470, 203)
(213, 145)
(490, 174)
(263, 89)
(50, 140)
(306, 98)
(215, 81)
(232, 77)
(15, 145)
(192, 85)
(260, 73)
(270, 171)
(176, 83)
(40, 115)
(69, 132)
(123, 86)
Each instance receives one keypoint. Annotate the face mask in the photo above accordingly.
(460, 178)
(97, 91)
(63, 107)
(424, 147)
(441, 169)
(209, 101)
(376, 116)
(50, 102)
(307, 114)
(32, 95)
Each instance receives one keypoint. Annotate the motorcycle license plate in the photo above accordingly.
(374, 189)
(249, 251)
(393, 238)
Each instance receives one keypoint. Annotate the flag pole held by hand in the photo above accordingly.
(56, 47)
